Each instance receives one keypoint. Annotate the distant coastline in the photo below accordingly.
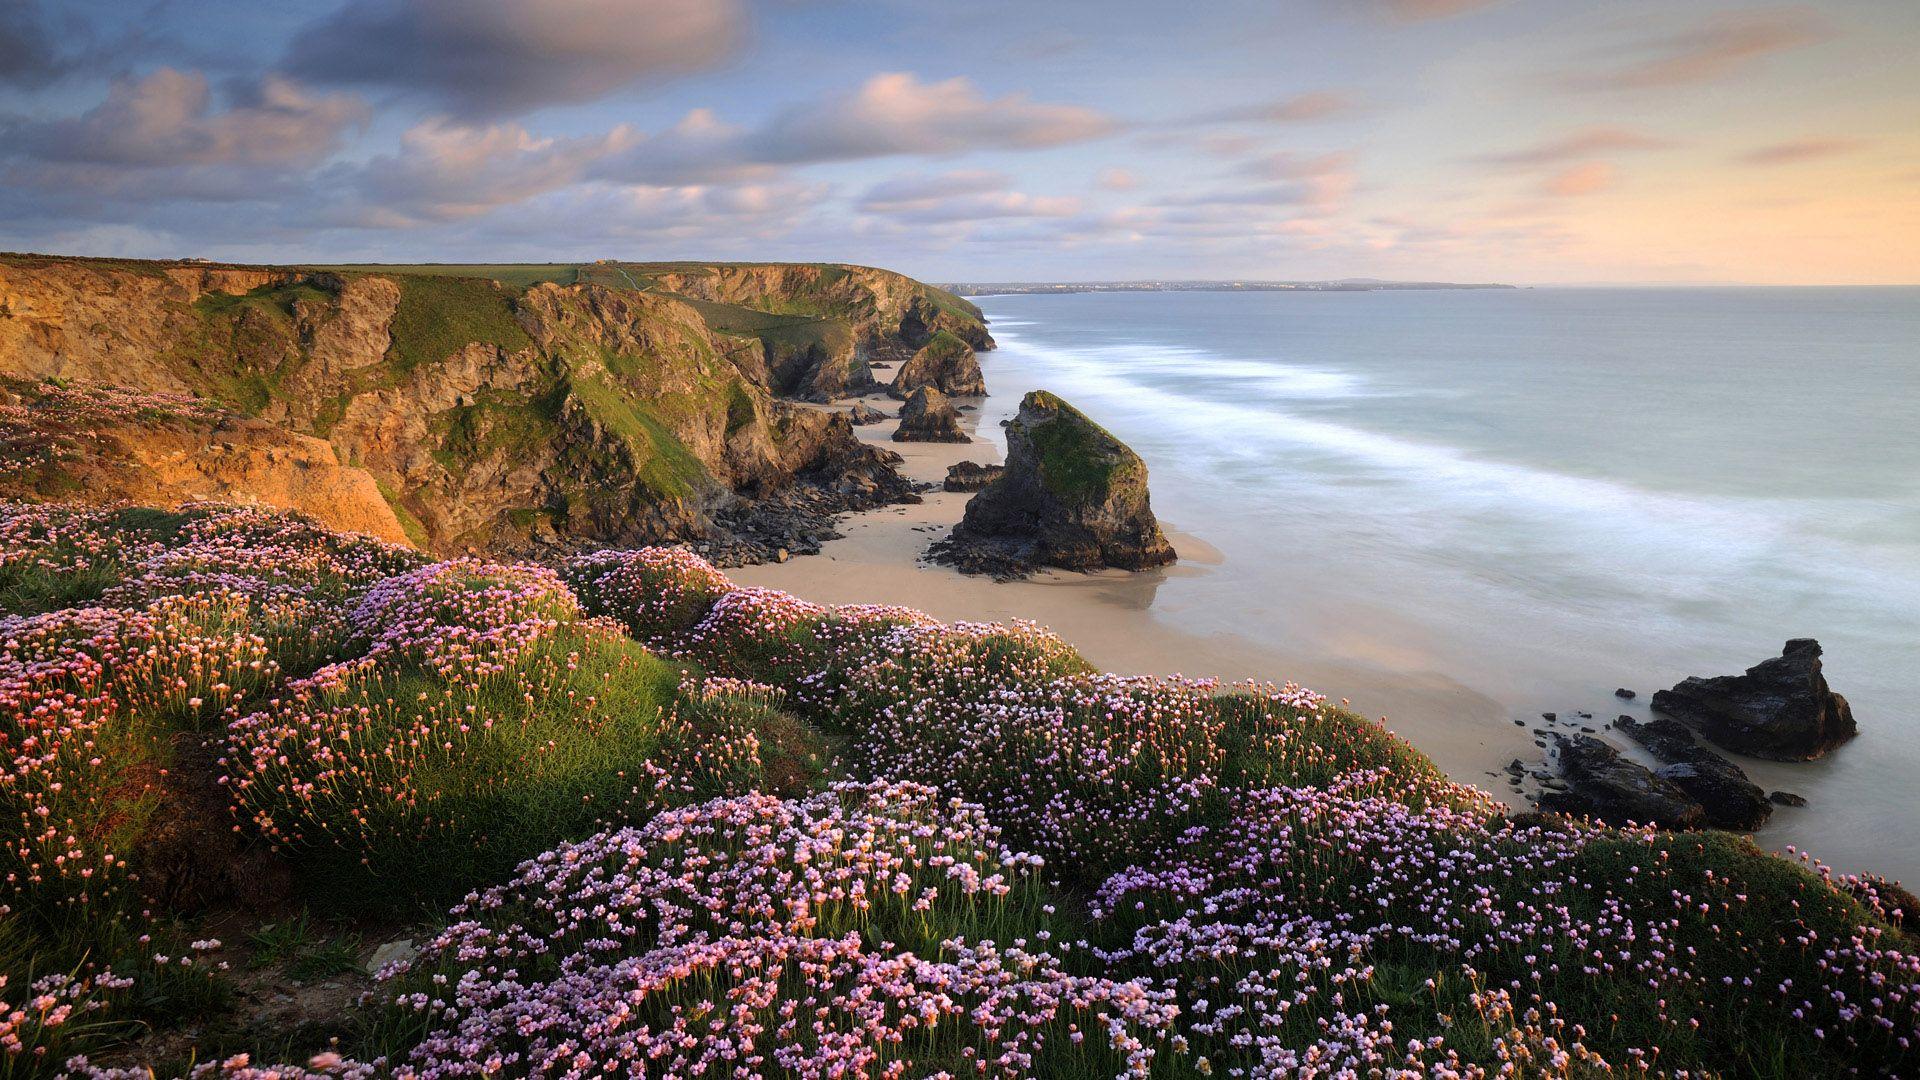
(1020, 288)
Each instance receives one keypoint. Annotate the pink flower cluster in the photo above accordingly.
(56, 419)
(657, 593)
(464, 616)
(752, 936)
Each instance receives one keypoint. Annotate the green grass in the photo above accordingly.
(662, 463)
(439, 316)
(1079, 459)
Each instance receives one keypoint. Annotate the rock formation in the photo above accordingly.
(971, 476)
(1780, 709)
(1071, 496)
(110, 446)
(637, 407)
(862, 414)
(1602, 784)
(928, 417)
(1728, 798)
(947, 364)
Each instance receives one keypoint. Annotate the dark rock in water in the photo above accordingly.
(1668, 740)
(1624, 694)
(1071, 496)
(1604, 785)
(1549, 717)
(1788, 798)
(1722, 789)
(1781, 708)
(1731, 801)
(944, 363)
(863, 413)
(928, 417)
(971, 476)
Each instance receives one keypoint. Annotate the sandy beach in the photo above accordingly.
(1110, 616)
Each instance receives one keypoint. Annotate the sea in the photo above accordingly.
(1545, 494)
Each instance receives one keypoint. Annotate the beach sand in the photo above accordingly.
(1109, 616)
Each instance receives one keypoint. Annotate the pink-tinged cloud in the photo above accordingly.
(961, 196)
(896, 113)
(1585, 143)
(1713, 49)
(1587, 179)
(1794, 151)
(170, 118)
(1300, 108)
(1116, 179)
(1421, 10)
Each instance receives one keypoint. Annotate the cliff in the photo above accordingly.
(504, 408)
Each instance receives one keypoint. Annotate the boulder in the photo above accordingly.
(929, 417)
(863, 414)
(1786, 798)
(1728, 798)
(1668, 740)
(1071, 496)
(945, 363)
(1780, 709)
(1602, 784)
(971, 476)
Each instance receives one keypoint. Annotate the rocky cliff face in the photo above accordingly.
(106, 445)
(502, 418)
(1071, 496)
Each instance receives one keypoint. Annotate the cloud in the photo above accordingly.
(169, 118)
(896, 113)
(1587, 179)
(1420, 10)
(1586, 143)
(1317, 105)
(1322, 183)
(1795, 151)
(490, 58)
(1116, 179)
(445, 171)
(1715, 48)
(960, 196)
(29, 54)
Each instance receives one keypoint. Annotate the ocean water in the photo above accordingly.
(1543, 494)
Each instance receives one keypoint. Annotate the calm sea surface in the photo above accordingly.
(1544, 494)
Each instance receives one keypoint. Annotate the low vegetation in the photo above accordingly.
(643, 821)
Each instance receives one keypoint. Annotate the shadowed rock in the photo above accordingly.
(945, 363)
(928, 417)
(863, 414)
(1780, 709)
(1071, 496)
(1730, 800)
(1604, 785)
(971, 476)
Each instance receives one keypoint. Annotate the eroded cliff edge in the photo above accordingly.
(607, 403)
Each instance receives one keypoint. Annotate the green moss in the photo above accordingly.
(1078, 459)
(411, 525)
(439, 316)
(662, 463)
(740, 408)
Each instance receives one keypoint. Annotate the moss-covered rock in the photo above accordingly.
(1072, 496)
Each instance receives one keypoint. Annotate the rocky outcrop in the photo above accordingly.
(109, 446)
(971, 476)
(890, 315)
(1071, 496)
(1780, 709)
(505, 418)
(947, 364)
(863, 414)
(1727, 798)
(1602, 784)
(929, 417)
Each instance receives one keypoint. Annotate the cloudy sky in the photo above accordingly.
(1533, 141)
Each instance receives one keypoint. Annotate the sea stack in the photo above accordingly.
(945, 363)
(928, 417)
(1071, 496)
(1780, 709)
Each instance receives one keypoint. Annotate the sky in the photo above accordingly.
(1521, 141)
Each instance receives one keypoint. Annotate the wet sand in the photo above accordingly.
(1110, 618)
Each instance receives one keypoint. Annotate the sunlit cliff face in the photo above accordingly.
(1538, 141)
